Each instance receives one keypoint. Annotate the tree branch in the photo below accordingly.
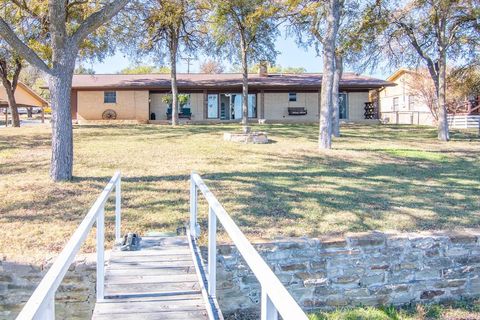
(96, 19)
(11, 38)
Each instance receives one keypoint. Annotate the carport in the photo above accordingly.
(26, 98)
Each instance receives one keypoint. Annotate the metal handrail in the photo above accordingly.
(275, 297)
(41, 304)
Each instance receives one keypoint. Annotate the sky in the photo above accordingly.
(290, 55)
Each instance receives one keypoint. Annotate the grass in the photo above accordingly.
(457, 310)
(376, 177)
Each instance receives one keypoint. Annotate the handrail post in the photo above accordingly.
(100, 253)
(193, 208)
(49, 312)
(212, 252)
(268, 312)
(118, 209)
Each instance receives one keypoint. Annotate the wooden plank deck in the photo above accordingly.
(158, 281)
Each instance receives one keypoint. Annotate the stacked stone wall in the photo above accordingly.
(75, 298)
(359, 269)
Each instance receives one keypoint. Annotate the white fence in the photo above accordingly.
(41, 304)
(275, 298)
(464, 121)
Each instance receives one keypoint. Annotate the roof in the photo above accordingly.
(394, 76)
(224, 80)
(33, 93)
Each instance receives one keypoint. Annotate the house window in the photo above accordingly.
(411, 102)
(292, 96)
(395, 104)
(109, 97)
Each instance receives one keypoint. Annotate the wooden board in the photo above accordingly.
(156, 282)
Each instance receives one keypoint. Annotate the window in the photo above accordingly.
(292, 96)
(212, 104)
(395, 104)
(109, 97)
(411, 102)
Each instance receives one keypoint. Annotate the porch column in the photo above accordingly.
(262, 104)
(43, 114)
(6, 117)
(205, 104)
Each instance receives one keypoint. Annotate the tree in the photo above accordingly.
(464, 82)
(83, 70)
(271, 69)
(316, 23)
(144, 69)
(245, 31)
(421, 86)
(164, 29)
(35, 79)
(430, 32)
(332, 14)
(358, 29)
(10, 66)
(67, 29)
(211, 67)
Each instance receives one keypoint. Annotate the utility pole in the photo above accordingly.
(188, 63)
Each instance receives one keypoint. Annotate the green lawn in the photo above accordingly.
(376, 177)
(458, 310)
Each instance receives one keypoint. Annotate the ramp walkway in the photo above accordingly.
(166, 278)
(156, 282)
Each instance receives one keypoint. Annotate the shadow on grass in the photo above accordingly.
(293, 189)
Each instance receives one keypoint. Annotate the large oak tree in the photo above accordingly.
(317, 23)
(68, 28)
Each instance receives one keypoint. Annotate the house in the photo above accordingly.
(213, 98)
(24, 96)
(401, 104)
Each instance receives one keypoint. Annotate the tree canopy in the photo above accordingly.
(64, 31)
(144, 69)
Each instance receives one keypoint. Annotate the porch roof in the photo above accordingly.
(201, 81)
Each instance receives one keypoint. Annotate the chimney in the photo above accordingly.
(263, 68)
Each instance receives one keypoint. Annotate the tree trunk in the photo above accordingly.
(62, 136)
(443, 133)
(244, 85)
(10, 87)
(335, 92)
(325, 132)
(173, 76)
(12, 104)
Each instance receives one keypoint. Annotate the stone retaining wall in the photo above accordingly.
(75, 298)
(360, 269)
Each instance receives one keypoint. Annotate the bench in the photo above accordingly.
(297, 111)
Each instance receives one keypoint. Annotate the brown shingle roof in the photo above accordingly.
(224, 80)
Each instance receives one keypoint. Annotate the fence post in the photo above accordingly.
(268, 312)
(118, 209)
(100, 253)
(193, 208)
(212, 252)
